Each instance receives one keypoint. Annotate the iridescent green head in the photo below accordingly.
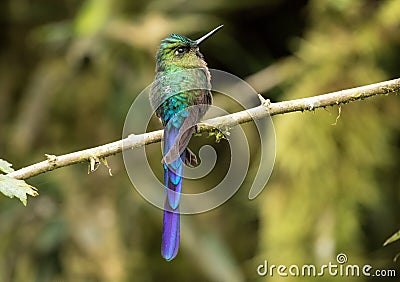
(177, 51)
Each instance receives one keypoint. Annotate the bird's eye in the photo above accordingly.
(180, 51)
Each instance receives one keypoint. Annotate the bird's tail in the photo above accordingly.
(170, 235)
(173, 185)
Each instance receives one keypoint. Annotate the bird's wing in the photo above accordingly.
(188, 118)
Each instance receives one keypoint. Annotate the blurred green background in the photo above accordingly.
(69, 71)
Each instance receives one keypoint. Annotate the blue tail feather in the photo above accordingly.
(171, 234)
(173, 185)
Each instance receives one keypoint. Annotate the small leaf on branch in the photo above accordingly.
(51, 158)
(12, 187)
(104, 161)
(219, 134)
(265, 102)
(5, 166)
(393, 238)
(94, 163)
(338, 116)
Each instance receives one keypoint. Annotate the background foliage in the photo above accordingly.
(69, 71)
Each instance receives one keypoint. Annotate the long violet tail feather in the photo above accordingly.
(173, 185)
(170, 235)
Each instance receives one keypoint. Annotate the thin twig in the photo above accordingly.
(265, 109)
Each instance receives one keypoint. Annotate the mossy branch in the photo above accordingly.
(96, 154)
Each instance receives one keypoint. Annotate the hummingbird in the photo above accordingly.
(180, 96)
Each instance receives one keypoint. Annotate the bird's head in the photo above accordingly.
(177, 51)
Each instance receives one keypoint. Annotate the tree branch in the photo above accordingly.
(94, 155)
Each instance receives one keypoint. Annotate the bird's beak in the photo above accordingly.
(200, 40)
